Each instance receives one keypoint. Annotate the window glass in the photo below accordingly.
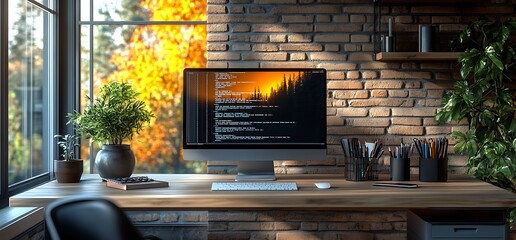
(152, 58)
(85, 87)
(119, 10)
(30, 56)
(47, 3)
(85, 10)
(149, 10)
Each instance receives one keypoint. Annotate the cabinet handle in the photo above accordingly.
(465, 229)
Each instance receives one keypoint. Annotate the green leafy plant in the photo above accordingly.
(485, 101)
(68, 143)
(115, 116)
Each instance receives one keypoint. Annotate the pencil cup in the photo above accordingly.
(400, 169)
(433, 170)
(361, 169)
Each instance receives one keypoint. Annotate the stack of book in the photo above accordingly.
(130, 183)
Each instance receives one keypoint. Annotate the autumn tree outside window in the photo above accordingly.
(147, 43)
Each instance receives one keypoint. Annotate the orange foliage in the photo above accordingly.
(153, 63)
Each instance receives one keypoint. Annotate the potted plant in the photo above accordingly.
(485, 101)
(69, 169)
(113, 118)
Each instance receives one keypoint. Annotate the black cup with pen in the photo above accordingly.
(400, 162)
(361, 159)
(433, 159)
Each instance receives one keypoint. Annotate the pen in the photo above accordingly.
(426, 150)
(431, 148)
(434, 149)
(418, 147)
(445, 148)
(381, 153)
(441, 148)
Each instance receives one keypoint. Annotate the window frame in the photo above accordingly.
(7, 190)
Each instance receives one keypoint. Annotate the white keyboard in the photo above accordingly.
(254, 186)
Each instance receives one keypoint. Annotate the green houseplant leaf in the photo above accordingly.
(482, 99)
(115, 116)
(68, 143)
(469, 60)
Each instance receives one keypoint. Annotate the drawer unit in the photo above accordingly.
(456, 224)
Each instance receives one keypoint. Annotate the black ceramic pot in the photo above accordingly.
(115, 161)
(68, 171)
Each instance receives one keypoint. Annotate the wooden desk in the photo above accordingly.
(349, 210)
(192, 192)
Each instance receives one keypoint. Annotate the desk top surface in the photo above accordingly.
(192, 191)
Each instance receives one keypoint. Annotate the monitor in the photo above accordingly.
(254, 116)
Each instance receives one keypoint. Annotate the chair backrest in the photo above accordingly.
(88, 218)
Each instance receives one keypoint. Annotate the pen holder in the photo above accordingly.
(400, 169)
(433, 170)
(361, 169)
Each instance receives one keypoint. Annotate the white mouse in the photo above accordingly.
(323, 185)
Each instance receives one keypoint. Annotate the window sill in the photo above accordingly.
(14, 221)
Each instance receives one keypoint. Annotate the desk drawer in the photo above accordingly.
(446, 224)
(464, 231)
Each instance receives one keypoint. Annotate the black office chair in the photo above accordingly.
(88, 218)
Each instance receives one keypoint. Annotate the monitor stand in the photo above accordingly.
(255, 171)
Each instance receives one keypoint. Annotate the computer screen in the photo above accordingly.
(254, 116)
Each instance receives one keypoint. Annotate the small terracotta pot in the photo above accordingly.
(68, 171)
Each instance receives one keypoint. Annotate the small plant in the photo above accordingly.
(115, 116)
(67, 143)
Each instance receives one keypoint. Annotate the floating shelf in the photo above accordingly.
(417, 56)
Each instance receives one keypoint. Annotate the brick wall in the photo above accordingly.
(170, 224)
(367, 99)
(286, 225)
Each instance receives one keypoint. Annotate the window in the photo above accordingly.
(28, 80)
(147, 43)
